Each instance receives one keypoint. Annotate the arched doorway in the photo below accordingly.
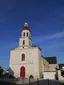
(31, 77)
(22, 72)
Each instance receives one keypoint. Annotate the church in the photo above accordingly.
(26, 60)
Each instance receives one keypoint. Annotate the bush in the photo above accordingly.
(62, 83)
(1, 71)
(11, 77)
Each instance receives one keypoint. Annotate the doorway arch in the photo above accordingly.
(22, 72)
(31, 77)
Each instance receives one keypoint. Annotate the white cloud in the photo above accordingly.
(40, 39)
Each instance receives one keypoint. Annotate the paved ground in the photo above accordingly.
(6, 83)
(42, 82)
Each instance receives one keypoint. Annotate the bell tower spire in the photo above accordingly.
(26, 24)
(25, 30)
(25, 40)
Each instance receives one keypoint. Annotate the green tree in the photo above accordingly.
(1, 71)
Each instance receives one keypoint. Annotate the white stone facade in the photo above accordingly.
(31, 61)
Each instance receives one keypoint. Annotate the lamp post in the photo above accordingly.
(37, 81)
(48, 81)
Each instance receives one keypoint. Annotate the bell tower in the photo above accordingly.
(25, 40)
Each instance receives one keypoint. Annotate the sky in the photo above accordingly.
(46, 22)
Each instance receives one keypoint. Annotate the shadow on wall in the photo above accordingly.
(7, 74)
(56, 76)
(10, 71)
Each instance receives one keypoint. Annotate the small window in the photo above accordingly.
(23, 57)
(23, 42)
(62, 73)
(24, 34)
(27, 33)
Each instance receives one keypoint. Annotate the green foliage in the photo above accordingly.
(62, 83)
(1, 71)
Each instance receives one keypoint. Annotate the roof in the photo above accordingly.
(60, 66)
(51, 60)
(25, 28)
(38, 47)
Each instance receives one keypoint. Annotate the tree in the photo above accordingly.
(1, 71)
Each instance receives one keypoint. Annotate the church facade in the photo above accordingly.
(26, 60)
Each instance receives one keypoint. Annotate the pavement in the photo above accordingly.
(41, 82)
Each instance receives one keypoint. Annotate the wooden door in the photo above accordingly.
(22, 72)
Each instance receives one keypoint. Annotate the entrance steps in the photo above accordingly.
(24, 81)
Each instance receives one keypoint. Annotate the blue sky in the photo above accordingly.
(46, 22)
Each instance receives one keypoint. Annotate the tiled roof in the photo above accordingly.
(51, 60)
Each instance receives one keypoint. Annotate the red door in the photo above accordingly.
(22, 72)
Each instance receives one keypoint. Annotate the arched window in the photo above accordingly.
(27, 33)
(23, 57)
(24, 34)
(23, 42)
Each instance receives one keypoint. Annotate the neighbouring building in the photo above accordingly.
(26, 60)
(61, 72)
